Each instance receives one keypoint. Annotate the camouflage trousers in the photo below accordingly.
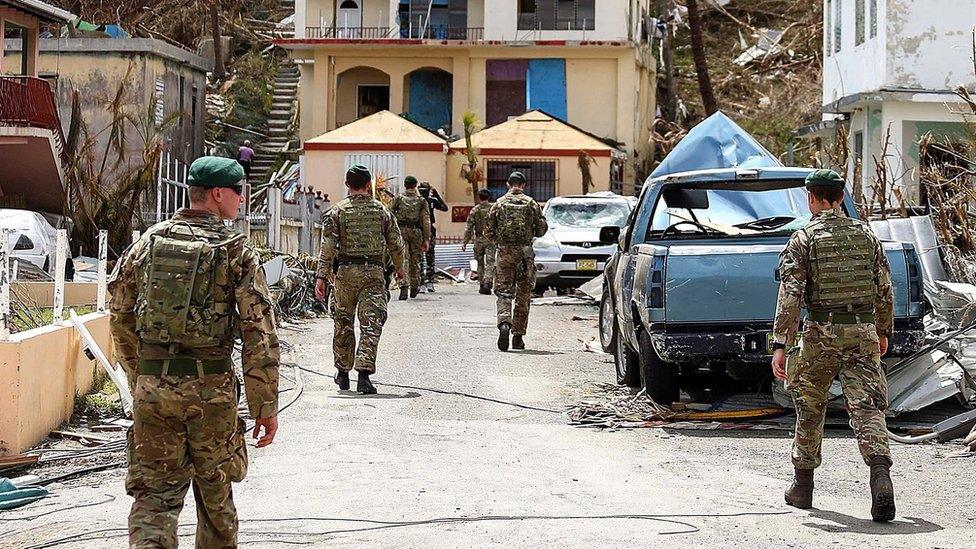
(185, 431)
(413, 247)
(826, 351)
(484, 254)
(360, 290)
(430, 271)
(514, 282)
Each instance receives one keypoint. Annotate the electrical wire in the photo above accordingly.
(676, 519)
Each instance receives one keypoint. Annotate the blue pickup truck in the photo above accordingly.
(691, 292)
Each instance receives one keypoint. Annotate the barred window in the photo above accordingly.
(540, 177)
(838, 27)
(557, 14)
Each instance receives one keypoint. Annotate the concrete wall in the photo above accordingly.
(918, 46)
(41, 371)
(501, 23)
(347, 97)
(95, 67)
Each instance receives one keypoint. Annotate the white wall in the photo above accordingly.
(501, 23)
(855, 69)
(930, 43)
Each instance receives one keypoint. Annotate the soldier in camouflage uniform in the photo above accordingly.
(179, 296)
(514, 221)
(484, 249)
(410, 211)
(358, 232)
(836, 269)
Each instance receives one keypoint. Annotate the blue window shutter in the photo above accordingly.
(546, 89)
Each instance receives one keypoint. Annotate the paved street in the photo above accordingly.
(415, 468)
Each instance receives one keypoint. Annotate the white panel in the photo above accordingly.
(389, 165)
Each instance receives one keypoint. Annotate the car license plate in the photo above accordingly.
(585, 264)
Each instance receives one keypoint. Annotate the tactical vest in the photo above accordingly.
(409, 211)
(841, 266)
(479, 215)
(513, 222)
(181, 300)
(361, 229)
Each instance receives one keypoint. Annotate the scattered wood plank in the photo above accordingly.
(17, 460)
(84, 438)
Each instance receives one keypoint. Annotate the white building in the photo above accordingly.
(893, 64)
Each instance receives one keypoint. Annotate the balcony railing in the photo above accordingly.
(28, 102)
(471, 34)
(356, 33)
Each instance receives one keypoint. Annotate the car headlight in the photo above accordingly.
(546, 241)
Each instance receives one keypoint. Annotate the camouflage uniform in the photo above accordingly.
(515, 260)
(410, 211)
(484, 249)
(357, 233)
(186, 429)
(831, 262)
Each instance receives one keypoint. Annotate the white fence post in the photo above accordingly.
(60, 255)
(4, 285)
(102, 269)
(15, 270)
(274, 218)
(159, 192)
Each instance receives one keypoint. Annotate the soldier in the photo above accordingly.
(358, 232)
(179, 296)
(836, 269)
(410, 211)
(434, 202)
(484, 249)
(513, 222)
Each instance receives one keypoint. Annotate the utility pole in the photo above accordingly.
(670, 103)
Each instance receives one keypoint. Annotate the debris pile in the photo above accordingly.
(292, 283)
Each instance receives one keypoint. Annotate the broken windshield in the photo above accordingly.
(729, 212)
(587, 214)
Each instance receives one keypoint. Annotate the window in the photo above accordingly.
(194, 105)
(373, 99)
(874, 18)
(182, 99)
(540, 177)
(859, 21)
(829, 28)
(557, 15)
(838, 12)
(858, 156)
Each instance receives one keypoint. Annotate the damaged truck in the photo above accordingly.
(690, 295)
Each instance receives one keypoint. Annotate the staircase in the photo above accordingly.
(279, 129)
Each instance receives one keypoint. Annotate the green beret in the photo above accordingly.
(410, 181)
(825, 178)
(517, 177)
(215, 171)
(358, 175)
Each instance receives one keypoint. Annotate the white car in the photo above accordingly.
(32, 238)
(570, 253)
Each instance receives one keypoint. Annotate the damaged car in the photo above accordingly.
(690, 295)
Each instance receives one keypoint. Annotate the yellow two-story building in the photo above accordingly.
(584, 62)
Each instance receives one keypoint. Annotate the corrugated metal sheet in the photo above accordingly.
(920, 232)
(389, 165)
(450, 255)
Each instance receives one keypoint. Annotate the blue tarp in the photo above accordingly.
(12, 497)
(546, 86)
(717, 142)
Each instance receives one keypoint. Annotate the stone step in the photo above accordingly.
(278, 122)
(285, 86)
(282, 106)
(284, 113)
(286, 80)
(274, 132)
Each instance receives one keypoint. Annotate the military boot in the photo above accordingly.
(517, 342)
(430, 287)
(484, 290)
(342, 380)
(503, 329)
(364, 385)
(403, 293)
(414, 292)
(882, 492)
(800, 493)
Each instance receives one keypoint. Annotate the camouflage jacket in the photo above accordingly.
(794, 270)
(255, 315)
(538, 221)
(477, 220)
(331, 238)
(423, 219)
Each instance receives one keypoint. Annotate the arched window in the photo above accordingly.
(349, 5)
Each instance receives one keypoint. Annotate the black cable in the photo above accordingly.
(382, 525)
(444, 392)
(79, 472)
(111, 498)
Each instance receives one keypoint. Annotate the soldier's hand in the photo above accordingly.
(401, 274)
(427, 246)
(883, 345)
(319, 289)
(270, 426)
(779, 364)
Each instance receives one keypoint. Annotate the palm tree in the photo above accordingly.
(698, 53)
(470, 170)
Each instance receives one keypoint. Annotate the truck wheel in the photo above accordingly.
(627, 363)
(660, 378)
(608, 323)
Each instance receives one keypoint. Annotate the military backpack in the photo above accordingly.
(179, 302)
(841, 276)
(409, 211)
(513, 222)
(361, 229)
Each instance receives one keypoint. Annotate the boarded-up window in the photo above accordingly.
(540, 176)
(557, 15)
(859, 22)
(159, 107)
(505, 89)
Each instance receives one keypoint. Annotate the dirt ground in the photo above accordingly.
(414, 467)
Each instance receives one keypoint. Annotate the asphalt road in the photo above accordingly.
(411, 467)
